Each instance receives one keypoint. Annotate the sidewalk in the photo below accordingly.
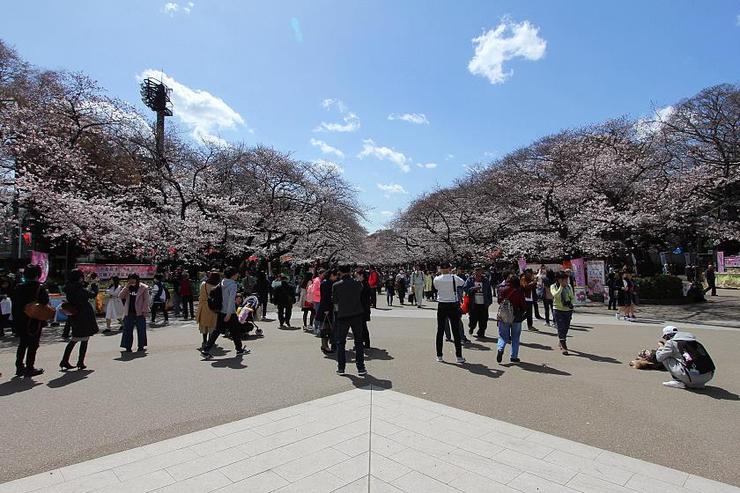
(367, 439)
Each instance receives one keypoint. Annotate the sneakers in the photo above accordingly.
(206, 355)
(243, 351)
(460, 360)
(499, 355)
(33, 372)
(440, 359)
(515, 360)
(675, 384)
(616, 315)
(362, 372)
(340, 371)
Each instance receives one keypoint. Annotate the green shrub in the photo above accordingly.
(660, 287)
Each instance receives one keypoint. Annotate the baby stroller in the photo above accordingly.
(248, 314)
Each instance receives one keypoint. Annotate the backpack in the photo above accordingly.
(215, 299)
(696, 360)
(505, 311)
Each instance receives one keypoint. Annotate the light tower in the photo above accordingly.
(156, 96)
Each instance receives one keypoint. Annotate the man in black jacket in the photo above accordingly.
(284, 296)
(349, 312)
(28, 329)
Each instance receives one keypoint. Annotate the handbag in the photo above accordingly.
(39, 311)
(68, 309)
(465, 306)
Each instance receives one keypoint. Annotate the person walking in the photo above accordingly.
(529, 285)
(284, 296)
(346, 295)
(613, 282)
(135, 297)
(428, 279)
(563, 297)
(207, 318)
(315, 295)
(227, 319)
(262, 287)
(709, 275)
(373, 280)
(547, 300)
(114, 305)
(28, 329)
(417, 286)
(186, 297)
(401, 286)
(512, 312)
(306, 303)
(448, 309)
(82, 319)
(367, 294)
(160, 294)
(478, 288)
(390, 290)
(175, 279)
(325, 313)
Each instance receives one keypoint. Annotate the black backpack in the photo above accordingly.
(215, 299)
(695, 357)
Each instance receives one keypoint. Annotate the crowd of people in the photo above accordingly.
(333, 302)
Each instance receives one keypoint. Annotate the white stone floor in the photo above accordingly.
(366, 440)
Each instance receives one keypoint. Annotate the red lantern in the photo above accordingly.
(27, 238)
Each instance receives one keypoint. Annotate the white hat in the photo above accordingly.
(669, 329)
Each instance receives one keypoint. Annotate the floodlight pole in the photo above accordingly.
(156, 96)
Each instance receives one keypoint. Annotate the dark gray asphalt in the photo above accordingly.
(591, 396)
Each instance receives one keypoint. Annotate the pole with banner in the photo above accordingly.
(579, 273)
(721, 262)
(42, 260)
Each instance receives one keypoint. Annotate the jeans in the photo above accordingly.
(158, 306)
(176, 304)
(562, 323)
(28, 345)
(342, 329)
(127, 335)
(187, 302)
(548, 308)
(232, 327)
(316, 321)
(509, 334)
(451, 312)
(478, 316)
(284, 313)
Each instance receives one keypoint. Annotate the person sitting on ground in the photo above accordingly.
(685, 358)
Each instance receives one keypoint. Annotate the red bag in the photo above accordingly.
(465, 305)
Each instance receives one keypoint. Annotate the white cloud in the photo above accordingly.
(418, 118)
(508, 40)
(648, 126)
(350, 121)
(489, 154)
(328, 165)
(426, 165)
(326, 148)
(380, 152)
(392, 188)
(449, 156)
(386, 213)
(172, 8)
(737, 20)
(202, 112)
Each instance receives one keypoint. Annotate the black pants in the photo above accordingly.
(531, 305)
(401, 296)
(159, 306)
(68, 328)
(284, 313)
(232, 327)
(373, 298)
(478, 316)
(187, 301)
(612, 300)
(342, 329)
(68, 352)
(28, 345)
(712, 287)
(451, 312)
(548, 308)
(365, 334)
(262, 297)
(306, 312)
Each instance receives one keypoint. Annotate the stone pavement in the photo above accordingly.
(368, 439)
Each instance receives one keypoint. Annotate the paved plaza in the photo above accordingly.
(279, 419)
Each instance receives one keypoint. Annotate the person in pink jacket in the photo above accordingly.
(135, 298)
(314, 293)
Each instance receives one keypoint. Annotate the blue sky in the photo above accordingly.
(272, 72)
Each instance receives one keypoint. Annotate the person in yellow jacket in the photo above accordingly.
(563, 296)
(206, 317)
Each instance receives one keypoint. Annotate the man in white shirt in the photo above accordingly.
(448, 308)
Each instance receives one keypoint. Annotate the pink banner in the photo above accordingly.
(720, 261)
(579, 271)
(732, 261)
(106, 271)
(42, 260)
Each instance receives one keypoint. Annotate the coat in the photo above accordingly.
(83, 323)
(24, 294)
(206, 317)
(142, 300)
(347, 297)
